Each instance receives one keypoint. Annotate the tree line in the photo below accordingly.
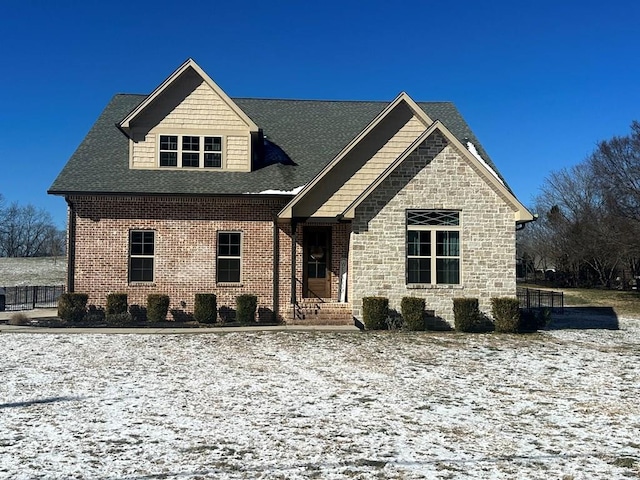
(588, 227)
(27, 231)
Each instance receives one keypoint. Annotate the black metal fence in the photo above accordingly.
(531, 298)
(29, 297)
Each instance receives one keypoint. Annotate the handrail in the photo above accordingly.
(317, 297)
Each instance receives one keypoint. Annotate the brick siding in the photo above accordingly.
(185, 247)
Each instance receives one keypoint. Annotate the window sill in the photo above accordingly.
(142, 284)
(431, 286)
(229, 284)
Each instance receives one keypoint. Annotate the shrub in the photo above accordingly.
(157, 307)
(19, 319)
(467, 316)
(246, 306)
(375, 311)
(116, 303)
(205, 309)
(413, 313)
(506, 314)
(72, 307)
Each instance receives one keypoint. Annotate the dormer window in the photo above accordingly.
(190, 151)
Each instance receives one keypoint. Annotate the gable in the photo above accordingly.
(189, 104)
(374, 154)
(362, 165)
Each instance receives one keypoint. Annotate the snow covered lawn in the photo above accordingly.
(32, 271)
(562, 404)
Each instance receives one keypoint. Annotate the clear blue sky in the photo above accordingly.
(539, 82)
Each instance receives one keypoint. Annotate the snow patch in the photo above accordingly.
(472, 148)
(295, 191)
(558, 404)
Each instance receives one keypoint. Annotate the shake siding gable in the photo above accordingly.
(388, 152)
(190, 107)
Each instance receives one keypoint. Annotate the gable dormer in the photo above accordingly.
(188, 122)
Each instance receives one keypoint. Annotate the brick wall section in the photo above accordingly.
(435, 176)
(185, 248)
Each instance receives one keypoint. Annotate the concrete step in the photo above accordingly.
(317, 313)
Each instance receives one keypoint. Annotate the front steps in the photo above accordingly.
(315, 312)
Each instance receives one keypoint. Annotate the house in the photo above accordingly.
(310, 205)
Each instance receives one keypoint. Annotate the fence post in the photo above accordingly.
(34, 297)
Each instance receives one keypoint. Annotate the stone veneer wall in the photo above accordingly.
(185, 247)
(435, 176)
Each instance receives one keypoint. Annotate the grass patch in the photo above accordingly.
(625, 462)
(624, 302)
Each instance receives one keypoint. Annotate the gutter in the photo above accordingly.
(520, 226)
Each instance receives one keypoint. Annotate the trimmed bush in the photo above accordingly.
(506, 314)
(72, 307)
(467, 316)
(157, 307)
(413, 313)
(375, 311)
(117, 303)
(205, 309)
(246, 306)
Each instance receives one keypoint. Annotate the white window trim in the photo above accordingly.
(433, 241)
(132, 256)
(200, 152)
(218, 256)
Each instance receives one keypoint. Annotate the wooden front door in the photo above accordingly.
(317, 262)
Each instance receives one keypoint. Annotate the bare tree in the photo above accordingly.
(25, 231)
(616, 166)
(579, 227)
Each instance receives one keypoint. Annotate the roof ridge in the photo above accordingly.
(383, 102)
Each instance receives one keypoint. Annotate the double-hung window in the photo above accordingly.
(141, 255)
(190, 151)
(229, 257)
(433, 247)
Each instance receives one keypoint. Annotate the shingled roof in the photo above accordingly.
(310, 132)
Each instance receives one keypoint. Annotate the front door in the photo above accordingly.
(317, 262)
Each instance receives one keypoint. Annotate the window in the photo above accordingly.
(168, 150)
(141, 255)
(229, 257)
(433, 247)
(192, 150)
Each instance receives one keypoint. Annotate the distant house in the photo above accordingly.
(310, 205)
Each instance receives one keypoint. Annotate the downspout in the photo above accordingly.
(294, 241)
(71, 245)
(276, 269)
